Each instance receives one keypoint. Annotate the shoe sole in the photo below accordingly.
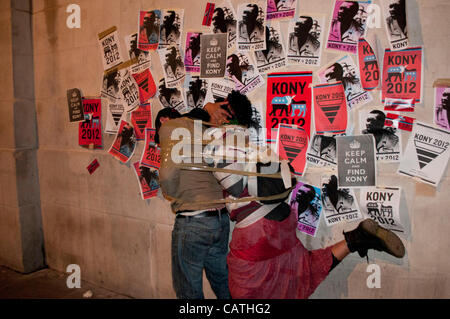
(391, 241)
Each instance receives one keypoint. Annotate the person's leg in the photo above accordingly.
(189, 248)
(216, 261)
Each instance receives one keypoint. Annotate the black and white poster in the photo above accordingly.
(110, 86)
(382, 204)
(110, 46)
(115, 112)
(396, 25)
(196, 91)
(426, 154)
(173, 66)
(244, 73)
(339, 204)
(258, 132)
(305, 40)
(251, 25)
(273, 57)
(75, 104)
(218, 89)
(387, 139)
(171, 97)
(171, 27)
(322, 151)
(129, 91)
(143, 57)
(224, 21)
(356, 161)
(213, 55)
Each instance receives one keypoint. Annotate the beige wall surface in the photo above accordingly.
(122, 242)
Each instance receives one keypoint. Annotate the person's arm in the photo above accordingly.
(217, 113)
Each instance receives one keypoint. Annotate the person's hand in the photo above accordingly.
(218, 115)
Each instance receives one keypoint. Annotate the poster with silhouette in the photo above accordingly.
(306, 203)
(218, 89)
(141, 118)
(339, 204)
(146, 84)
(330, 109)
(129, 91)
(441, 112)
(75, 104)
(149, 28)
(257, 132)
(213, 55)
(115, 112)
(241, 69)
(292, 143)
(356, 161)
(273, 57)
(124, 144)
(173, 66)
(171, 27)
(322, 151)
(368, 66)
(143, 57)
(251, 25)
(172, 97)
(195, 91)
(382, 204)
(224, 20)
(388, 143)
(192, 52)
(345, 70)
(394, 12)
(288, 101)
(426, 154)
(281, 9)
(110, 48)
(305, 39)
(90, 130)
(148, 180)
(348, 24)
(402, 74)
(110, 86)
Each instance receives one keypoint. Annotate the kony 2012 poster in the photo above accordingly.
(288, 101)
(292, 144)
(90, 130)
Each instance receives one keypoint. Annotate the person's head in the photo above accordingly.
(334, 72)
(328, 147)
(194, 42)
(163, 116)
(250, 13)
(445, 101)
(218, 20)
(233, 66)
(375, 120)
(305, 195)
(303, 25)
(385, 140)
(347, 11)
(397, 8)
(170, 18)
(240, 108)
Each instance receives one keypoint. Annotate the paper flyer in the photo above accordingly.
(148, 181)
(288, 101)
(218, 89)
(90, 130)
(196, 91)
(305, 42)
(306, 203)
(330, 109)
(171, 28)
(209, 11)
(173, 66)
(110, 46)
(251, 25)
(273, 57)
(281, 9)
(213, 55)
(124, 144)
(149, 27)
(399, 121)
(383, 206)
(396, 26)
(442, 107)
(110, 87)
(292, 143)
(143, 57)
(92, 167)
(75, 105)
(171, 97)
(344, 70)
(141, 118)
(387, 139)
(348, 24)
(356, 161)
(368, 66)
(115, 112)
(244, 73)
(129, 91)
(339, 204)
(426, 154)
(146, 84)
(322, 151)
(151, 157)
(258, 133)
(402, 74)
(225, 21)
(192, 52)
(399, 105)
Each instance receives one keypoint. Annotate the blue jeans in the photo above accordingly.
(199, 243)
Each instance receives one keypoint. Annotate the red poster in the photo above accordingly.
(141, 118)
(368, 66)
(90, 131)
(402, 74)
(399, 121)
(292, 145)
(124, 143)
(93, 166)
(288, 101)
(148, 181)
(146, 84)
(209, 11)
(330, 108)
(151, 156)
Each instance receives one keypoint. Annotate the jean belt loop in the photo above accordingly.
(220, 215)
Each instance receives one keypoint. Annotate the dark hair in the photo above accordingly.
(169, 112)
(242, 109)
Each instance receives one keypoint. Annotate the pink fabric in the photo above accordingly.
(267, 261)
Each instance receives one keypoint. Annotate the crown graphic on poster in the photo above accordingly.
(355, 144)
(213, 42)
